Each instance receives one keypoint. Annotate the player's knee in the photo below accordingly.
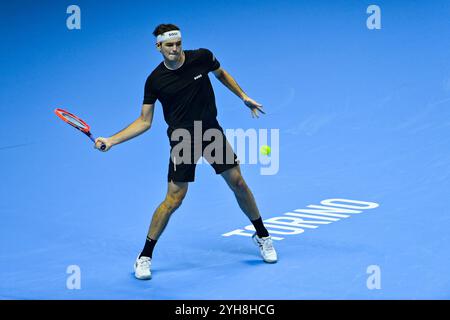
(239, 184)
(170, 205)
(173, 201)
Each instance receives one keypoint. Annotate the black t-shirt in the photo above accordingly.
(186, 94)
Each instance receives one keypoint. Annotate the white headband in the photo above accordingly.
(175, 34)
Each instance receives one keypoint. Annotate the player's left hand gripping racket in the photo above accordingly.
(76, 122)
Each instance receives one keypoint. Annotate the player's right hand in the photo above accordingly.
(100, 141)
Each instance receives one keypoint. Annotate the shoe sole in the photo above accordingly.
(271, 262)
(142, 278)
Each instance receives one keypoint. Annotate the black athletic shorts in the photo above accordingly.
(217, 152)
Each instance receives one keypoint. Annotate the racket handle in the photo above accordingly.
(103, 147)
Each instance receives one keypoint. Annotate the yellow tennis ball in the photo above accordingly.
(265, 150)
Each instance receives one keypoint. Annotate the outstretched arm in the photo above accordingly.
(231, 84)
(139, 126)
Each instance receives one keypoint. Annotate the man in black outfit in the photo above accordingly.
(182, 85)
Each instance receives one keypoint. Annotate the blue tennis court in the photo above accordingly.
(355, 191)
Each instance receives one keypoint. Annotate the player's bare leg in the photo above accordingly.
(176, 191)
(242, 192)
(247, 203)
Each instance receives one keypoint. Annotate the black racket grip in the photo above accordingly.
(103, 146)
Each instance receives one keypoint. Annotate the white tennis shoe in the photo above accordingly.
(265, 245)
(142, 268)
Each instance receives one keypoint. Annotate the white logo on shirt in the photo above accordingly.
(197, 77)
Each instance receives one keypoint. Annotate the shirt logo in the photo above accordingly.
(197, 77)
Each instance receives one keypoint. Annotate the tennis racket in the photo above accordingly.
(77, 123)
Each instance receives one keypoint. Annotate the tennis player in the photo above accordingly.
(182, 85)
